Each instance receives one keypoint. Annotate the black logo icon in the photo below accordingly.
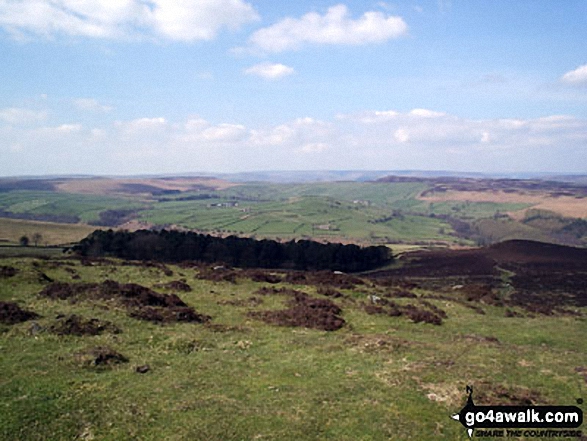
(516, 417)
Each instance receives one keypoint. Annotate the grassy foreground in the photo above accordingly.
(238, 378)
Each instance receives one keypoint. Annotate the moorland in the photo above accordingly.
(486, 287)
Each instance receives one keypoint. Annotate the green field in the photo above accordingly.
(11, 230)
(359, 212)
(346, 211)
(238, 378)
(40, 203)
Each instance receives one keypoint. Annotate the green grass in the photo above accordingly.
(87, 207)
(472, 210)
(378, 378)
(11, 230)
(314, 216)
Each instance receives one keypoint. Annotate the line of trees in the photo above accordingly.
(176, 246)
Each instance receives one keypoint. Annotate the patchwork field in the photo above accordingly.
(395, 210)
(102, 350)
(564, 205)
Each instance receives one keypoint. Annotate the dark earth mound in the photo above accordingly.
(141, 302)
(270, 290)
(429, 314)
(217, 274)
(100, 356)
(176, 285)
(325, 278)
(7, 271)
(175, 314)
(76, 325)
(304, 311)
(262, 276)
(11, 313)
(327, 291)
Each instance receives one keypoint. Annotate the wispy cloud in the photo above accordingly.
(90, 104)
(16, 116)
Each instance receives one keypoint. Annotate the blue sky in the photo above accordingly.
(175, 86)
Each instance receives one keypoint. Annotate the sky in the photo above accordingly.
(128, 87)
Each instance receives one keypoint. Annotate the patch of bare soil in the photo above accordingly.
(100, 356)
(11, 313)
(76, 325)
(141, 302)
(146, 186)
(486, 393)
(582, 371)
(481, 339)
(7, 271)
(305, 311)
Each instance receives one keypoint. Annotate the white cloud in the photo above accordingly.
(401, 135)
(91, 104)
(270, 71)
(335, 27)
(577, 76)
(383, 139)
(225, 133)
(142, 126)
(15, 115)
(272, 137)
(199, 132)
(190, 20)
(425, 113)
(179, 20)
